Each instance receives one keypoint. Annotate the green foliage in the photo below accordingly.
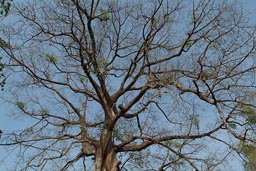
(4, 44)
(153, 23)
(250, 112)
(205, 75)
(252, 119)
(83, 78)
(51, 58)
(246, 109)
(44, 111)
(105, 15)
(196, 122)
(249, 151)
(173, 144)
(232, 125)
(20, 104)
(5, 7)
(193, 21)
(101, 64)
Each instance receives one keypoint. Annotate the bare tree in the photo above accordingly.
(120, 85)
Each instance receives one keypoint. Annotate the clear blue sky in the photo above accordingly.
(249, 6)
(7, 123)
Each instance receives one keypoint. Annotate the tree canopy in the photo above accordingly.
(130, 85)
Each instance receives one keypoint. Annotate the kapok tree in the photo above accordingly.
(117, 85)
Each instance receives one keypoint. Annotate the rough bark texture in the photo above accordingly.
(105, 157)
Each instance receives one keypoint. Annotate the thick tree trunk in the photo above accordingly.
(105, 158)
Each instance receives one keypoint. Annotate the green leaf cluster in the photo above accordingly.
(153, 23)
(197, 122)
(205, 75)
(249, 150)
(250, 112)
(21, 104)
(246, 109)
(5, 7)
(44, 111)
(83, 79)
(52, 58)
(173, 144)
(252, 119)
(193, 21)
(105, 15)
(232, 125)
(4, 44)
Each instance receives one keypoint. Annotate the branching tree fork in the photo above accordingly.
(117, 85)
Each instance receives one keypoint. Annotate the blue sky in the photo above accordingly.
(7, 123)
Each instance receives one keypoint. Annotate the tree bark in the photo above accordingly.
(105, 157)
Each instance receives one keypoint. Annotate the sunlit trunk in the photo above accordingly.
(105, 158)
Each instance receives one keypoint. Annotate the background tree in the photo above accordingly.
(117, 85)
